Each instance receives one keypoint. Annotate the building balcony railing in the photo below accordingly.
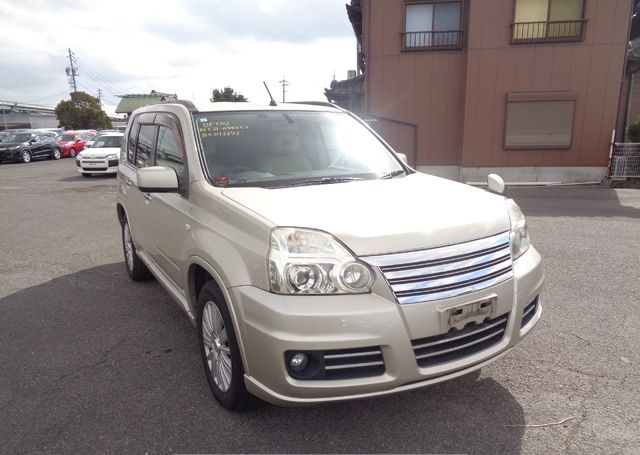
(432, 41)
(548, 32)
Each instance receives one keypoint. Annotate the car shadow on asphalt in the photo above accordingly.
(93, 362)
(574, 201)
(80, 178)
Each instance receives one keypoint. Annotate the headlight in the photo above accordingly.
(302, 261)
(112, 157)
(519, 231)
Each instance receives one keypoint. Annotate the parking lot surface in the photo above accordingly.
(91, 362)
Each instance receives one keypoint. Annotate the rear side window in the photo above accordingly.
(168, 152)
(146, 138)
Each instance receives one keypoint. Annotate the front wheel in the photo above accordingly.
(72, 153)
(219, 349)
(135, 267)
(25, 156)
(55, 154)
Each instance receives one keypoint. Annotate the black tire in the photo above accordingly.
(236, 398)
(84, 174)
(55, 154)
(25, 156)
(135, 267)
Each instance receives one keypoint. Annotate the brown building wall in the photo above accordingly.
(457, 99)
(425, 89)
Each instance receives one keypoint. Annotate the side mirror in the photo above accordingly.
(495, 183)
(403, 158)
(157, 179)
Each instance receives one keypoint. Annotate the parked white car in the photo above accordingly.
(102, 157)
(316, 265)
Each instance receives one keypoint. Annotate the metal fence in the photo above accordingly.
(435, 41)
(547, 31)
(624, 160)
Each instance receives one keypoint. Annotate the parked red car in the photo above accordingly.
(73, 142)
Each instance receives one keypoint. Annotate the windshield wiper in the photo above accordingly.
(324, 181)
(392, 174)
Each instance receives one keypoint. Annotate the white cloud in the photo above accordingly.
(186, 47)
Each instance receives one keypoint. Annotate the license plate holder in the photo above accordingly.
(458, 316)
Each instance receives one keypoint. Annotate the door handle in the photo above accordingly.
(147, 197)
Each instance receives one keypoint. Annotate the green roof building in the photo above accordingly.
(130, 103)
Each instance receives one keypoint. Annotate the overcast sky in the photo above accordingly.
(187, 47)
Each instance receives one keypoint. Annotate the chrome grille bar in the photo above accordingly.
(481, 328)
(448, 271)
(455, 345)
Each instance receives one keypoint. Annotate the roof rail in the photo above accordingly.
(316, 103)
(186, 103)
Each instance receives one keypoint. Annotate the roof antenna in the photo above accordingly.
(272, 102)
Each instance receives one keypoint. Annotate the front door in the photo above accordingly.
(165, 219)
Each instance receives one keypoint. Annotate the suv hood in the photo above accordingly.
(383, 216)
(100, 152)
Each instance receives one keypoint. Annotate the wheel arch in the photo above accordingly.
(199, 273)
(122, 214)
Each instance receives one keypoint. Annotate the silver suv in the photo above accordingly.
(316, 265)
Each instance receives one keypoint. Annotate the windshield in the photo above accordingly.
(107, 141)
(24, 137)
(283, 148)
(66, 137)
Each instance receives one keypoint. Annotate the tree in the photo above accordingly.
(226, 94)
(82, 111)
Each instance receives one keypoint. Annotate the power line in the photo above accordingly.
(96, 73)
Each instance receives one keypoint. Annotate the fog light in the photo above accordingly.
(298, 362)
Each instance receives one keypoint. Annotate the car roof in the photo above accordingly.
(110, 133)
(317, 106)
(242, 106)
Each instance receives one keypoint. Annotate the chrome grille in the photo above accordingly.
(449, 271)
(457, 344)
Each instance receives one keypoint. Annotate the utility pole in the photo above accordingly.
(72, 72)
(285, 83)
(100, 96)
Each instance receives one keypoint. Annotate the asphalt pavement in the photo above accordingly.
(91, 362)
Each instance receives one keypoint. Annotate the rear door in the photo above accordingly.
(138, 151)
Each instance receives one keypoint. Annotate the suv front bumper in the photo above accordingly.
(274, 324)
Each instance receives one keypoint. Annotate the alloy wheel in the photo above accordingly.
(216, 346)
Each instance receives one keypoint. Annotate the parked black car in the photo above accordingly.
(27, 146)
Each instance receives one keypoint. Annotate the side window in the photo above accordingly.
(144, 145)
(131, 142)
(168, 152)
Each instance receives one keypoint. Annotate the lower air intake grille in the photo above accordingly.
(353, 363)
(458, 344)
(529, 312)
